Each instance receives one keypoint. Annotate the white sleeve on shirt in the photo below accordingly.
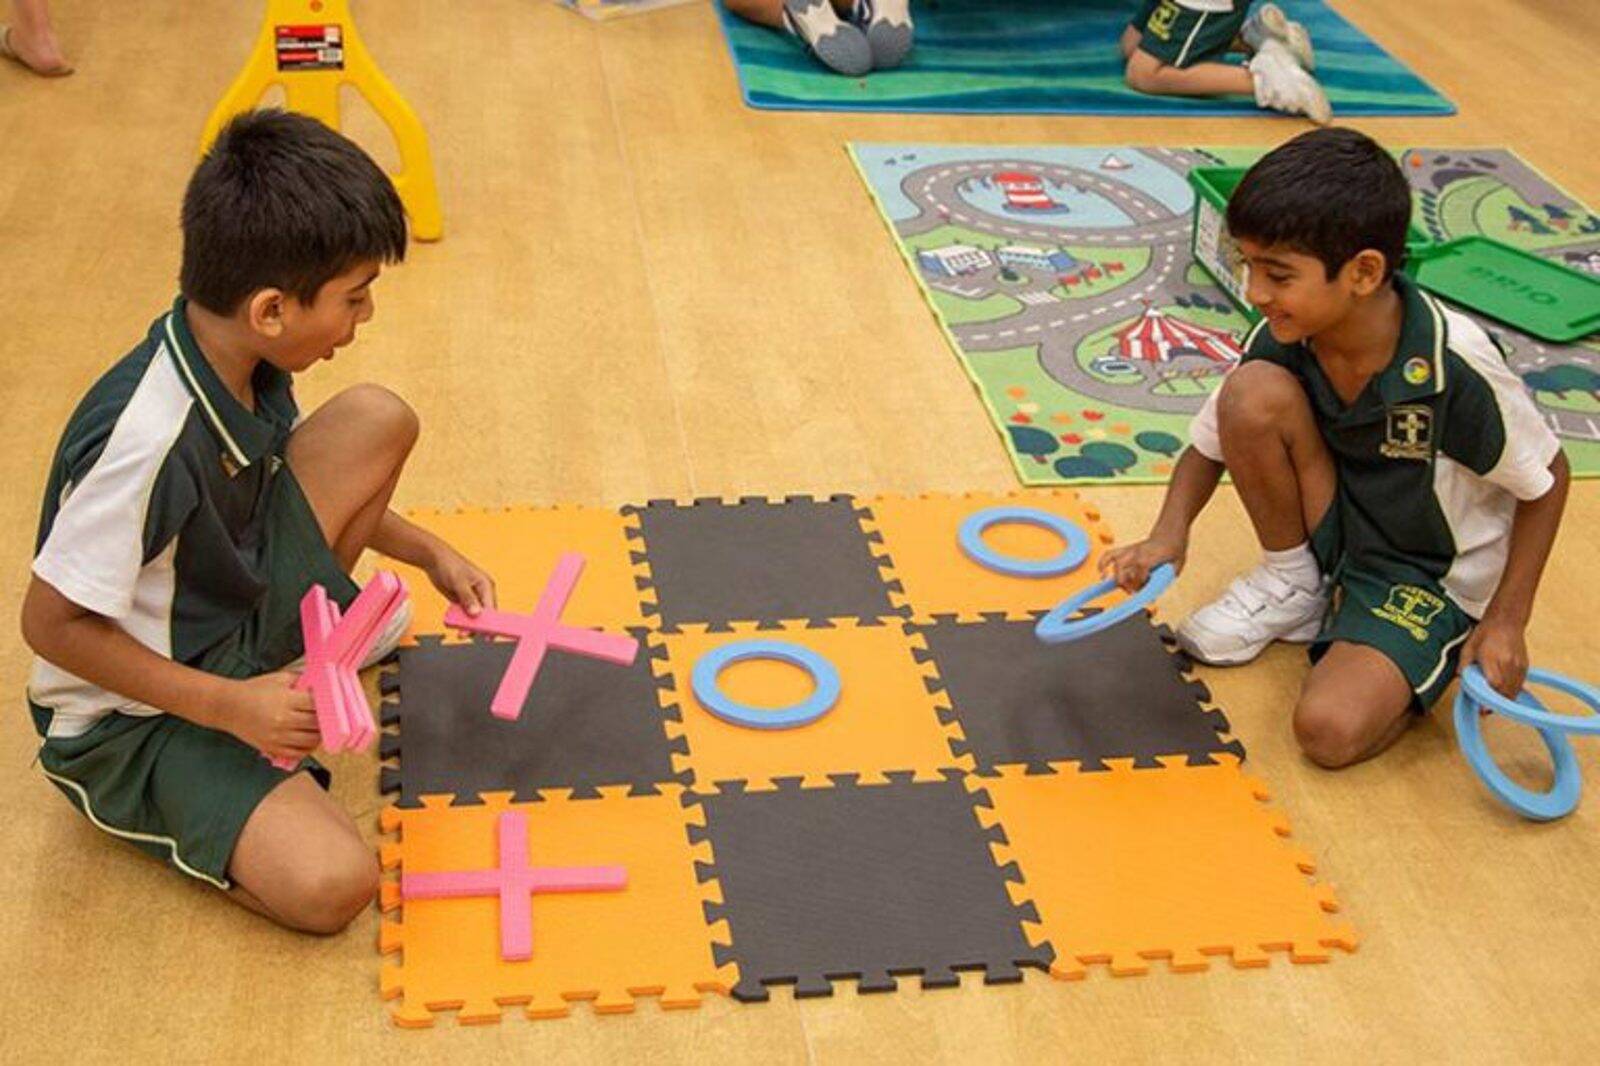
(1204, 435)
(96, 545)
(1523, 467)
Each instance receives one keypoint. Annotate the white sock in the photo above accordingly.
(1296, 565)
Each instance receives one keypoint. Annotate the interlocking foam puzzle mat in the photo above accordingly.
(1049, 57)
(1063, 278)
(974, 801)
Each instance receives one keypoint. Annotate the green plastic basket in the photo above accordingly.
(1523, 290)
(1217, 252)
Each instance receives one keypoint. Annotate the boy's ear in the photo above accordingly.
(264, 311)
(1365, 271)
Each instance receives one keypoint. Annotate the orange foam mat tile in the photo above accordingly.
(519, 547)
(916, 541)
(650, 939)
(1179, 863)
(886, 718)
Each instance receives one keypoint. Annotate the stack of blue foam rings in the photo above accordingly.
(1476, 695)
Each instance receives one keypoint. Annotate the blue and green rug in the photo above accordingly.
(1049, 57)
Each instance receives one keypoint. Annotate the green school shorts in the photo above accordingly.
(1182, 37)
(180, 791)
(1413, 623)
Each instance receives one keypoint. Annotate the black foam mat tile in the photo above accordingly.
(863, 882)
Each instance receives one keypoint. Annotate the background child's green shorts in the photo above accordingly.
(178, 790)
(1414, 623)
(1181, 37)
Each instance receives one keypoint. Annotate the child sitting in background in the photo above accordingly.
(1178, 48)
(848, 36)
(188, 510)
(1404, 487)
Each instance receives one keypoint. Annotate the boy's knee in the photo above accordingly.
(328, 897)
(1257, 395)
(382, 413)
(1143, 72)
(1327, 731)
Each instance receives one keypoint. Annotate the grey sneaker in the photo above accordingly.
(887, 24)
(1267, 22)
(1282, 85)
(837, 44)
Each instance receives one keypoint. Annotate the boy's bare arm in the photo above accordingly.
(1193, 483)
(1497, 645)
(450, 571)
(263, 712)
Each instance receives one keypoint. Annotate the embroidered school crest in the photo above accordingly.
(1411, 608)
(1417, 370)
(1408, 432)
(1162, 19)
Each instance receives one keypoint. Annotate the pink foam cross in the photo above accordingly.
(336, 644)
(515, 882)
(539, 631)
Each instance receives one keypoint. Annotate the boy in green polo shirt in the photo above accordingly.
(188, 510)
(1402, 483)
(1180, 48)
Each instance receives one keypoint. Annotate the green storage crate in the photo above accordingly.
(1215, 250)
(1523, 290)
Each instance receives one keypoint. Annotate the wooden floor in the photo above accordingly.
(648, 290)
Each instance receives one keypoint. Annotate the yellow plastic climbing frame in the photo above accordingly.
(311, 48)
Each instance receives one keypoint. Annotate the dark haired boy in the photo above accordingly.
(1402, 483)
(188, 510)
(1180, 48)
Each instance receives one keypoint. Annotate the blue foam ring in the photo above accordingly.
(1059, 626)
(1562, 797)
(1533, 712)
(1071, 557)
(823, 675)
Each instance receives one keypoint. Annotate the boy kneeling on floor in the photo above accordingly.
(1404, 487)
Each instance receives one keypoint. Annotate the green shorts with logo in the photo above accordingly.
(1181, 37)
(180, 791)
(1413, 623)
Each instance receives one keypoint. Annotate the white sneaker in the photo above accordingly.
(1257, 609)
(1282, 86)
(1268, 22)
(389, 639)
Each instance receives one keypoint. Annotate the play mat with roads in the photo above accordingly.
(1064, 280)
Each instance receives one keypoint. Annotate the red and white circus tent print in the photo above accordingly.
(1156, 337)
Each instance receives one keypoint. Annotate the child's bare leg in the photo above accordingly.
(32, 39)
(1354, 704)
(1130, 40)
(301, 861)
(1275, 453)
(347, 457)
(1147, 74)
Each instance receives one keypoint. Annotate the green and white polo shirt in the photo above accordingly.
(154, 511)
(1432, 457)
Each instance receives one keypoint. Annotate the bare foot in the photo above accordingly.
(39, 51)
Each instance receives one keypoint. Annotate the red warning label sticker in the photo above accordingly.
(310, 47)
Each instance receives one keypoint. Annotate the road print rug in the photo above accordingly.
(1063, 278)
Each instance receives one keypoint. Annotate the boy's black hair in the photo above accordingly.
(282, 201)
(1329, 193)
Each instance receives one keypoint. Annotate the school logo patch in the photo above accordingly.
(1162, 19)
(1417, 370)
(1408, 432)
(1411, 608)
